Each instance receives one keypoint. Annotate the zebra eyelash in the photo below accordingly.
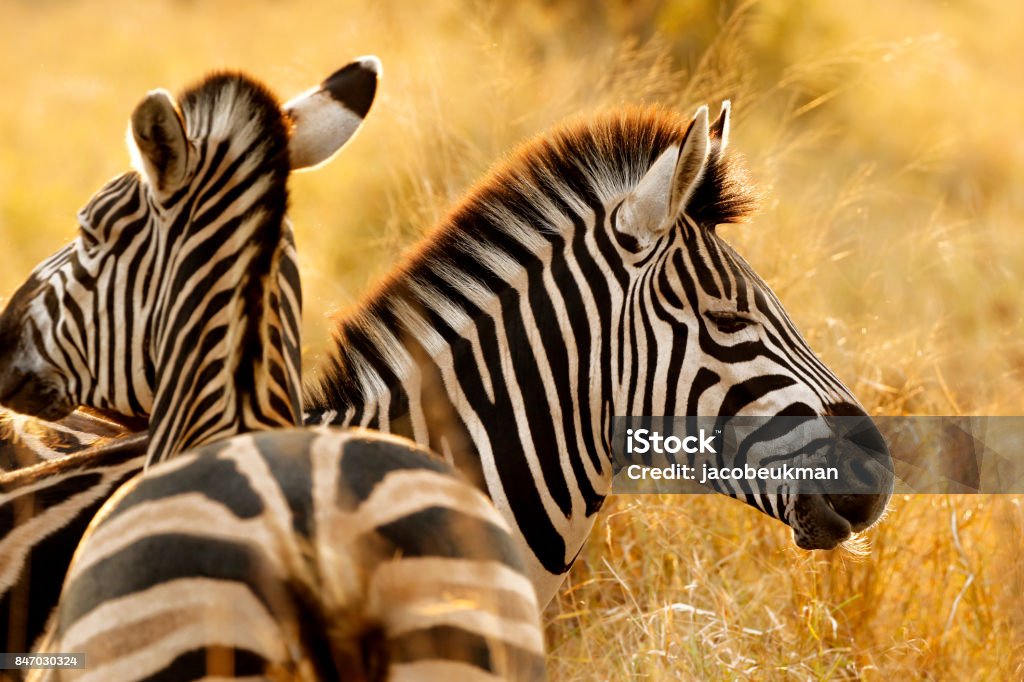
(87, 234)
(89, 241)
(728, 321)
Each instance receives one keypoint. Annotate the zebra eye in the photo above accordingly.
(729, 322)
(89, 238)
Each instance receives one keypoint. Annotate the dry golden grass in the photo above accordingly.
(885, 133)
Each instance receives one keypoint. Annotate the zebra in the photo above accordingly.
(585, 278)
(46, 507)
(298, 554)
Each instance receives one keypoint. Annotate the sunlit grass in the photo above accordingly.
(885, 134)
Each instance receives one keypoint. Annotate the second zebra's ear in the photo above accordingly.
(159, 136)
(324, 118)
(665, 190)
(720, 128)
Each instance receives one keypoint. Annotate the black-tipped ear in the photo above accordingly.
(326, 117)
(720, 128)
(355, 85)
(159, 135)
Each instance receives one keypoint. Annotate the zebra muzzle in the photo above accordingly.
(817, 524)
(32, 395)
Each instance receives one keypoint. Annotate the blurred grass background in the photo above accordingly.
(885, 134)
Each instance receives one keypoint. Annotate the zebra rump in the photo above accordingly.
(307, 554)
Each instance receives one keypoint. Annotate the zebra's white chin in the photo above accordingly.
(817, 524)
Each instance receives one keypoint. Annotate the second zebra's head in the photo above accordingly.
(92, 321)
(701, 334)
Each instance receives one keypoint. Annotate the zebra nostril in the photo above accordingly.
(865, 459)
(860, 471)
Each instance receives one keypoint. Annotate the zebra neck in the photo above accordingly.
(506, 380)
(228, 362)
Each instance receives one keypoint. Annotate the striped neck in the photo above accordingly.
(522, 348)
(224, 330)
(226, 357)
(496, 343)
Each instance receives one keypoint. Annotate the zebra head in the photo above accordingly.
(96, 323)
(702, 334)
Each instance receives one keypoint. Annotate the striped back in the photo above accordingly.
(313, 554)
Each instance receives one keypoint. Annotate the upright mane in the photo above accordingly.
(230, 104)
(584, 163)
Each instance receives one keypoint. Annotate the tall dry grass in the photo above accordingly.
(885, 133)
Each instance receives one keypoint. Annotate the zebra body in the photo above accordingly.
(325, 554)
(278, 553)
(584, 279)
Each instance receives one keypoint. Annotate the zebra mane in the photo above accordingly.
(581, 163)
(606, 156)
(594, 158)
(232, 105)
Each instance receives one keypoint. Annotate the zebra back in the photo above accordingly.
(324, 554)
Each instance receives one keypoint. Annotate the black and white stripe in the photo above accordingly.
(322, 554)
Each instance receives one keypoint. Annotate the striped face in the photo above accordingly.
(112, 317)
(55, 330)
(694, 308)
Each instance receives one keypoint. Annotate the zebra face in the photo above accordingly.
(29, 383)
(82, 329)
(694, 308)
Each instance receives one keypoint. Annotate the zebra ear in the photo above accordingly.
(664, 191)
(720, 128)
(324, 118)
(159, 135)
(693, 159)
